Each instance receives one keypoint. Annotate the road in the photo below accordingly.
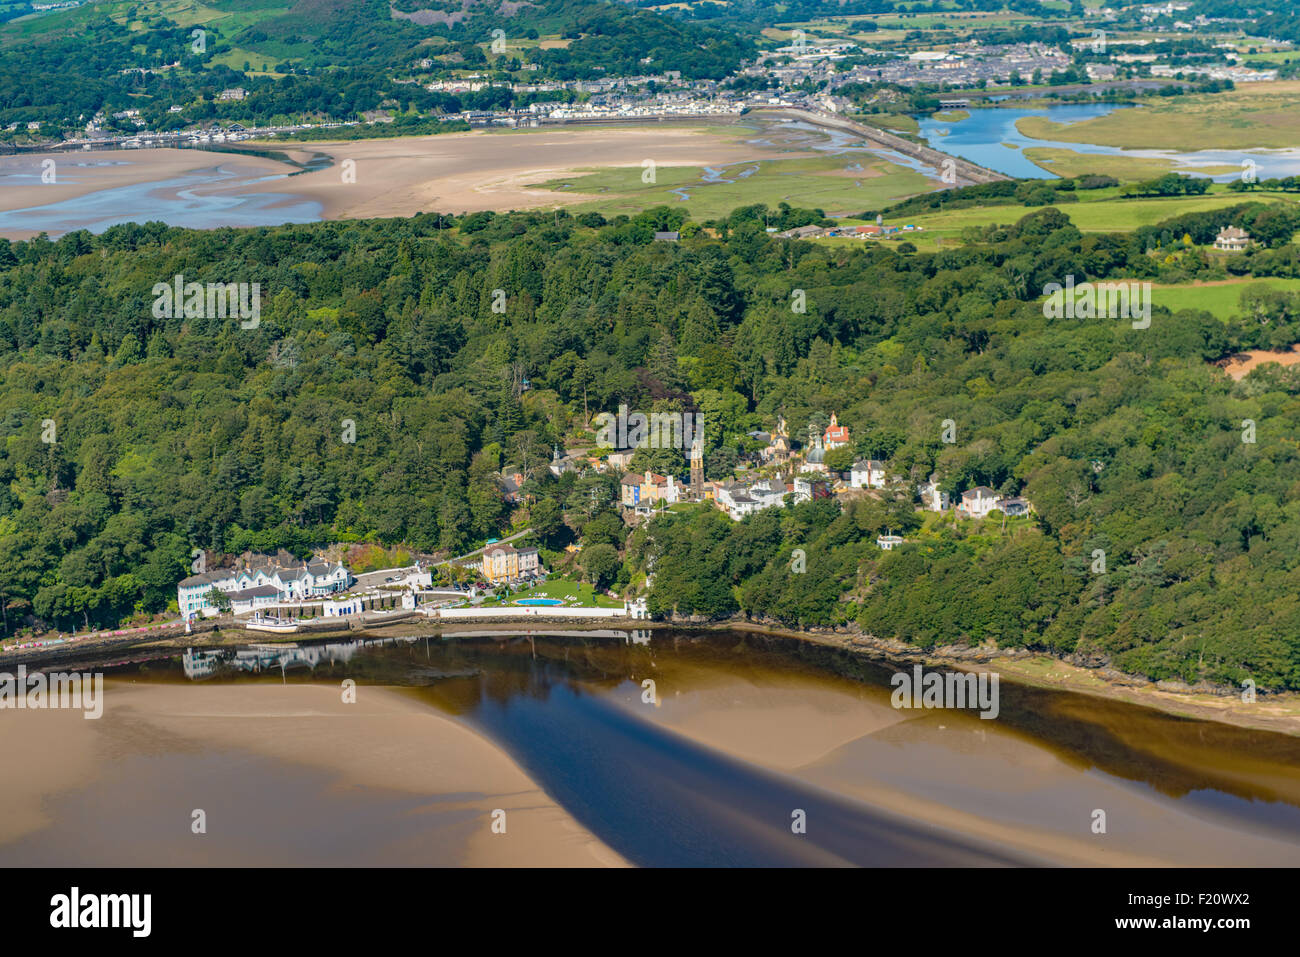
(374, 579)
(478, 551)
(965, 172)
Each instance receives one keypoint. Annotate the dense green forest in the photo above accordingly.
(127, 440)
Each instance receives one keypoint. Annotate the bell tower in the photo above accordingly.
(697, 469)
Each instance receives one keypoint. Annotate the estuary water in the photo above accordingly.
(644, 748)
(200, 199)
(989, 137)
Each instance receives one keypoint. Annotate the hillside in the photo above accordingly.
(171, 434)
(323, 59)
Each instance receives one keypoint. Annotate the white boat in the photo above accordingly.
(278, 626)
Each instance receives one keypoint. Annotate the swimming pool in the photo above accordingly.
(539, 601)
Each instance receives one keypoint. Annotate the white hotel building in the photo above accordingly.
(261, 585)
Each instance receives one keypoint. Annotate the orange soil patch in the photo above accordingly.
(1243, 363)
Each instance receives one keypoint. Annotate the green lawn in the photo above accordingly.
(1221, 299)
(1272, 57)
(238, 56)
(574, 594)
(898, 122)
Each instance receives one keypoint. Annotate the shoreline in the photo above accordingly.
(1279, 713)
(485, 169)
(392, 177)
(152, 172)
(1040, 669)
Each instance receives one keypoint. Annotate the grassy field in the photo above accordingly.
(898, 122)
(955, 19)
(893, 28)
(1252, 116)
(1127, 169)
(1220, 299)
(236, 57)
(186, 13)
(1105, 214)
(1271, 57)
(822, 182)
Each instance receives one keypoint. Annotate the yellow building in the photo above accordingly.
(646, 492)
(504, 563)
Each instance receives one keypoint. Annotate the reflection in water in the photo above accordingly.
(661, 800)
(198, 664)
(1223, 770)
(702, 780)
(201, 664)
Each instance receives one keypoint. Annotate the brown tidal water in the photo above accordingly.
(742, 736)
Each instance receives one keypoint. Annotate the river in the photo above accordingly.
(200, 199)
(746, 750)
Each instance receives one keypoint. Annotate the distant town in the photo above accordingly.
(844, 77)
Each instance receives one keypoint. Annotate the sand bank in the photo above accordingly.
(1243, 363)
(287, 774)
(450, 173)
(481, 169)
(978, 778)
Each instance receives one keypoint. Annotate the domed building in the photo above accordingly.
(815, 461)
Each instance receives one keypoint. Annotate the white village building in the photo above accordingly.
(978, 502)
(739, 500)
(260, 585)
(867, 473)
(933, 499)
